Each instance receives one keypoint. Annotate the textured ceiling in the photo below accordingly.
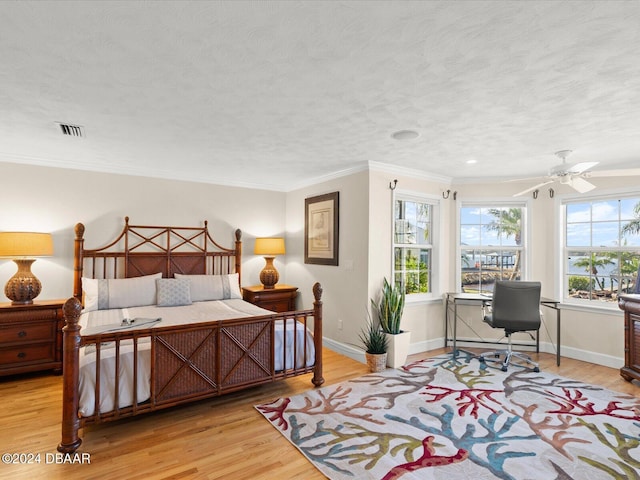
(280, 94)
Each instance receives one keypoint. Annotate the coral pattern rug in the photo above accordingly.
(436, 419)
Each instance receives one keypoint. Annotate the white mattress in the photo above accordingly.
(152, 316)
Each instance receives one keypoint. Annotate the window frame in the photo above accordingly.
(564, 249)
(495, 202)
(435, 246)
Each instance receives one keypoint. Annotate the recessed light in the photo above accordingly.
(404, 135)
(472, 161)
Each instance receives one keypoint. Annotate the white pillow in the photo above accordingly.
(213, 287)
(102, 294)
(173, 292)
(90, 294)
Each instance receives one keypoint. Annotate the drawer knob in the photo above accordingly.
(22, 333)
(22, 355)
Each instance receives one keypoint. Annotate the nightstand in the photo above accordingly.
(281, 298)
(31, 337)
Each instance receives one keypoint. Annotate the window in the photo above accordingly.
(413, 243)
(601, 248)
(491, 244)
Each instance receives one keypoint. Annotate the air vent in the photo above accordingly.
(71, 130)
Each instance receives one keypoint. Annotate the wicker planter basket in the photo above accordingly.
(377, 362)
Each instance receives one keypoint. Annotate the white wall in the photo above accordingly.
(423, 319)
(344, 286)
(54, 200)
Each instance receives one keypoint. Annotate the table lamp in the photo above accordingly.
(269, 248)
(22, 248)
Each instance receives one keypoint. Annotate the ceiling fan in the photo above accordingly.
(574, 175)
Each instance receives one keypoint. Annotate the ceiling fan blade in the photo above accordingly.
(512, 180)
(581, 167)
(626, 172)
(531, 189)
(581, 185)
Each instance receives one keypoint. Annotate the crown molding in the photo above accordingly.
(135, 172)
(377, 167)
(362, 167)
(116, 169)
(410, 172)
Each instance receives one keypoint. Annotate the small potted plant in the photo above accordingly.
(389, 311)
(375, 343)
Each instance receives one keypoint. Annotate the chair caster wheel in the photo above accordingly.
(504, 369)
(497, 355)
(536, 369)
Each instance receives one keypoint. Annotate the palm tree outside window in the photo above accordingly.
(601, 248)
(491, 244)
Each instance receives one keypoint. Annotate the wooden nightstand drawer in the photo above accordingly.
(26, 354)
(31, 337)
(281, 298)
(27, 333)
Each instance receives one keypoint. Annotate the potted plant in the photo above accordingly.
(389, 311)
(375, 343)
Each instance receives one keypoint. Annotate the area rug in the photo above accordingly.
(436, 419)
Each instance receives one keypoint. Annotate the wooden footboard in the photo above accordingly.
(187, 363)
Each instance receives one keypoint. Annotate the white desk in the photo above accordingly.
(453, 299)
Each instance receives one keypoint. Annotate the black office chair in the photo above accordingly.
(516, 308)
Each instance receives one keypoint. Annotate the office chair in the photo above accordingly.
(516, 308)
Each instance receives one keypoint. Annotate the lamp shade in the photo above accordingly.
(269, 246)
(25, 244)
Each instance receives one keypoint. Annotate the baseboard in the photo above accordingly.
(425, 346)
(358, 354)
(593, 357)
(344, 349)
(428, 345)
(547, 347)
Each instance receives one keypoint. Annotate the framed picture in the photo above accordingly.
(321, 217)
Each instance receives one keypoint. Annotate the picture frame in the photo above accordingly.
(321, 229)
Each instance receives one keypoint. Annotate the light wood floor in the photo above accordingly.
(218, 438)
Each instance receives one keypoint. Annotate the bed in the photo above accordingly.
(157, 320)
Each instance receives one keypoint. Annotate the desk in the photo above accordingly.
(453, 299)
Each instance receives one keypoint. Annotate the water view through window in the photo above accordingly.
(491, 245)
(602, 248)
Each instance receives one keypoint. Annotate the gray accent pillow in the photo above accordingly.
(173, 292)
(213, 287)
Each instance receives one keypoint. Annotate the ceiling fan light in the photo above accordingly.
(565, 179)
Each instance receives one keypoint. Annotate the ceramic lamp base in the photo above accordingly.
(269, 275)
(23, 287)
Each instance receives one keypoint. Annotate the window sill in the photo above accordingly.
(593, 308)
(422, 299)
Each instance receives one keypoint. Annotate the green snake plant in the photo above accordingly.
(390, 307)
(374, 339)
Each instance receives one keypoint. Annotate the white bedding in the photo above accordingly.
(152, 316)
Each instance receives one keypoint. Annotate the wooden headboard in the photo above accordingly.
(148, 249)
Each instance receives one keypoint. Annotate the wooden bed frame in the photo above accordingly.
(188, 362)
